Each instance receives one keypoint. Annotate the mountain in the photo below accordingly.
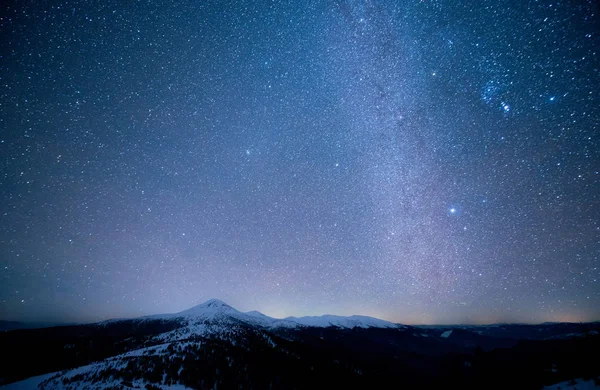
(217, 311)
(342, 322)
(214, 345)
(215, 317)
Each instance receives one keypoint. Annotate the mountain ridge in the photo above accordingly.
(217, 311)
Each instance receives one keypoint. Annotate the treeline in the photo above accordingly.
(38, 351)
(259, 361)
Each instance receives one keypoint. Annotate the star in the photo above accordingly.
(339, 157)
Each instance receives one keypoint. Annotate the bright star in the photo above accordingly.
(452, 210)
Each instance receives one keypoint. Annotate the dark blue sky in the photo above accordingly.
(419, 161)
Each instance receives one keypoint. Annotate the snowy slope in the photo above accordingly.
(575, 384)
(342, 322)
(81, 377)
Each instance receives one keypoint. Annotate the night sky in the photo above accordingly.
(429, 161)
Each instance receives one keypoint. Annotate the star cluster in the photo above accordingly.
(420, 161)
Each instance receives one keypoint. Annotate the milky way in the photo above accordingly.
(419, 161)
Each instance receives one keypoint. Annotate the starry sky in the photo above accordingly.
(421, 161)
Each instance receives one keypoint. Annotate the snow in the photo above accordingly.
(210, 307)
(579, 384)
(214, 318)
(34, 382)
(261, 318)
(210, 316)
(342, 322)
(29, 383)
(446, 334)
(257, 314)
(114, 362)
(269, 340)
(156, 349)
(140, 384)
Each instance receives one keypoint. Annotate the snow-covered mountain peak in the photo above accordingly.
(216, 317)
(258, 314)
(214, 302)
(212, 306)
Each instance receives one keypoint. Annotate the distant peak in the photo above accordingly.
(255, 313)
(214, 303)
(210, 306)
